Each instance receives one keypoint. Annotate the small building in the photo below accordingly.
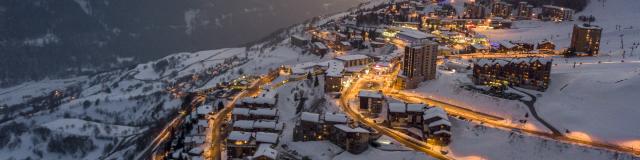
(415, 113)
(299, 41)
(240, 144)
(437, 125)
(371, 102)
(478, 48)
(319, 48)
(264, 152)
(307, 128)
(546, 47)
(354, 140)
(397, 114)
(344, 46)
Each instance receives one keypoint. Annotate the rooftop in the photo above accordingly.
(370, 94)
(239, 136)
(352, 57)
(347, 128)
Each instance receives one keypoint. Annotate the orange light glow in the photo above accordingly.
(580, 136)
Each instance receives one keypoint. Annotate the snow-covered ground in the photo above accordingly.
(471, 141)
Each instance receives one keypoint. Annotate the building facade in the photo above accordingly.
(556, 13)
(524, 72)
(585, 40)
(501, 9)
(419, 64)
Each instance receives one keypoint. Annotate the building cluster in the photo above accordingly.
(531, 73)
(432, 122)
(426, 123)
(188, 139)
(255, 128)
(336, 128)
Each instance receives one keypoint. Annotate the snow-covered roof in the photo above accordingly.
(300, 37)
(244, 124)
(266, 137)
(479, 46)
(335, 117)
(556, 7)
(397, 107)
(415, 34)
(352, 57)
(239, 136)
(335, 68)
(260, 100)
(320, 45)
(346, 128)
(435, 112)
(196, 150)
(506, 44)
(204, 109)
(355, 69)
(369, 94)
(415, 107)
(310, 117)
(198, 139)
(266, 151)
(482, 62)
(442, 132)
(440, 122)
(345, 43)
(264, 112)
(240, 111)
(264, 124)
(588, 26)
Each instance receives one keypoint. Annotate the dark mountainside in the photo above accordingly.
(63, 38)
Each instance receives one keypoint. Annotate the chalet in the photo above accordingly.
(344, 46)
(264, 152)
(546, 47)
(506, 46)
(437, 125)
(313, 126)
(240, 144)
(523, 46)
(415, 113)
(354, 140)
(248, 144)
(397, 114)
(265, 100)
(319, 48)
(307, 127)
(478, 48)
(371, 101)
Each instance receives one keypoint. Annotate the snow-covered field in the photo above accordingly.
(475, 142)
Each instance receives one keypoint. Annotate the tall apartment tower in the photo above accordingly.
(585, 40)
(419, 64)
